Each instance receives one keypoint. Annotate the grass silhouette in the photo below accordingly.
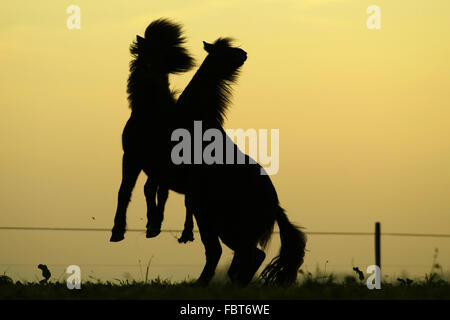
(312, 287)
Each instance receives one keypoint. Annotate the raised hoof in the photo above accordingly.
(186, 237)
(151, 233)
(117, 236)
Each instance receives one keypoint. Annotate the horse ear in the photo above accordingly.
(207, 46)
(140, 40)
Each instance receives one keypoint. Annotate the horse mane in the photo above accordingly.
(162, 34)
(163, 41)
(208, 98)
(226, 42)
(224, 87)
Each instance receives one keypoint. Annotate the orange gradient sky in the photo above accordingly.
(364, 120)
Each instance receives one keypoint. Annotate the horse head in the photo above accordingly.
(223, 59)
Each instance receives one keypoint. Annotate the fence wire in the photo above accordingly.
(337, 233)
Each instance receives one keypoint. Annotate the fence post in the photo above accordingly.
(377, 244)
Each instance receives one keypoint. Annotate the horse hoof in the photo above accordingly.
(186, 238)
(116, 237)
(151, 233)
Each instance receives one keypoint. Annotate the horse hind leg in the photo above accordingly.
(188, 233)
(155, 211)
(259, 257)
(162, 195)
(233, 269)
(213, 251)
(244, 265)
(130, 173)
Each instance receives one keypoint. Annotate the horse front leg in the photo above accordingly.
(130, 173)
(188, 233)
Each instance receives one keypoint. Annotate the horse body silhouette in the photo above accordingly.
(156, 56)
(234, 202)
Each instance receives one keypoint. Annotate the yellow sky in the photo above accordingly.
(364, 119)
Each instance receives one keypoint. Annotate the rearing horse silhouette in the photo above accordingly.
(152, 104)
(234, 202)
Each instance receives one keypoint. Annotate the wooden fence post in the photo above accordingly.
(377, 244)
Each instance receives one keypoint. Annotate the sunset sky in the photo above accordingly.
(364, 120)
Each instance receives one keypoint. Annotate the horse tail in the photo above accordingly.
(282, 270)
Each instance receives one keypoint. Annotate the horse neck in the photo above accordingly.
(204, 95)
(148, 89)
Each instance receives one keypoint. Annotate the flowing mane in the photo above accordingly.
(224, 86)
(158, 54)
(211, 86)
